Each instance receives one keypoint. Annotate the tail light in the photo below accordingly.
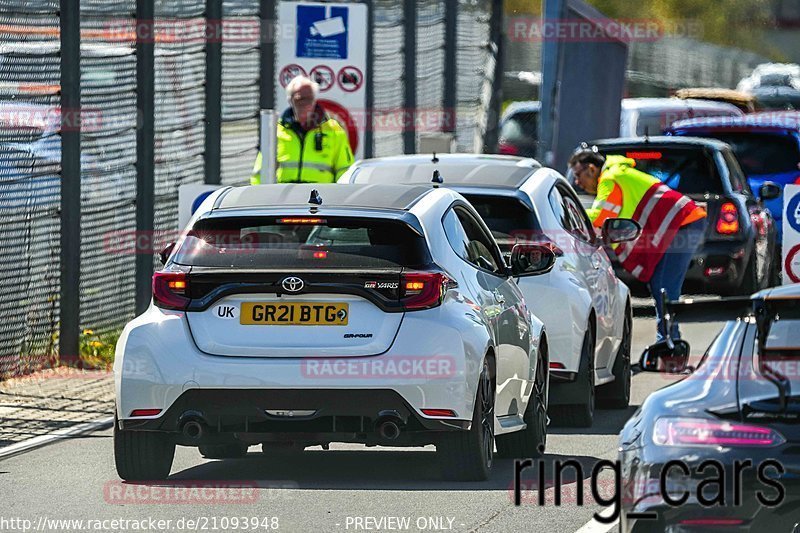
(797, 180)
(728, 221)
(704, 432)
(557, 366)
(170, 290)
(504, 148)
(423, 290)
(712, 522)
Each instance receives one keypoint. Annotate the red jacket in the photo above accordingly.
(661, 213)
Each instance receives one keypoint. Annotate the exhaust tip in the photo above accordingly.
(389, 430)
(193, 430)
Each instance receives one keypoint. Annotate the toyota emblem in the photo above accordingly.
(292, 284)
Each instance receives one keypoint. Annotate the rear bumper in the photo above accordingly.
(311, 416)
(158, 366)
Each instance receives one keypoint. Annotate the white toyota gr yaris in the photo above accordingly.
(299, 315)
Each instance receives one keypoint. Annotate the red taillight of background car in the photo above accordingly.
(703, 432)
(423, 290)
(507, 149)
(170, 290)
(728, 221)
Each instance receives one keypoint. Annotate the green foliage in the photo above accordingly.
(97, 349)
(736, 23)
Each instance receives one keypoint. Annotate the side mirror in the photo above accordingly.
(166, 252)
(769, 191)
(616, 230)
(532, 259)
(659, 357)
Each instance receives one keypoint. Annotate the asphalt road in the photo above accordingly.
(347, 488)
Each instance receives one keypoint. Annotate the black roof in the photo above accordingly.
(454, 169)
(398, 197)
(663, 140)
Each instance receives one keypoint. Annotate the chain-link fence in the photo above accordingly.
(113, 129)
(656, 68)
(30, 167)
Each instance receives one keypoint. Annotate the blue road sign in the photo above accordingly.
(322, 32)
(793, 212)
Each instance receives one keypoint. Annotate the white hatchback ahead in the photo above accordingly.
(584, 306)
(299, 315)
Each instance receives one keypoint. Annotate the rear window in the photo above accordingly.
(302, 242)
(655, 122)
(762, 153)
(520, 127)
(686, 170)
(509, 220)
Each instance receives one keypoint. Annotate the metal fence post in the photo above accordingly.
(267, 66)
(213, 139)
(145, 146)
(450, 64)
(410, 75)
(69, 326)
(369, 101)
(496, 100)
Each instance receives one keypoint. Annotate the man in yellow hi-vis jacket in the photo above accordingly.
(673, 226)
(312, 147)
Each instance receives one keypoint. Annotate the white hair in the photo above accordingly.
(299, 81)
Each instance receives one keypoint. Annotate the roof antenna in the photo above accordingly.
(315, 198)
(437, 178)
(435, 159)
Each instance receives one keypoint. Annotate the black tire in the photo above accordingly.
(532, 441)
(617, 394)
(142, 455)
(468, 455)
(233, 450)
(580, 415)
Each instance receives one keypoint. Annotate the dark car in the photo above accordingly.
(734, 419)
(518, 129)
(739, 251)
(767, 146)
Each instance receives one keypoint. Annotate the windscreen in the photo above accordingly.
(302, 242)
(686, 170)
(509, 220)
(763, 153)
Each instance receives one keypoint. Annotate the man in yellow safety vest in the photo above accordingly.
(312, 147)
(673, 226)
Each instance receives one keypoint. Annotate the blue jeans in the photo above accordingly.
(671, 271)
